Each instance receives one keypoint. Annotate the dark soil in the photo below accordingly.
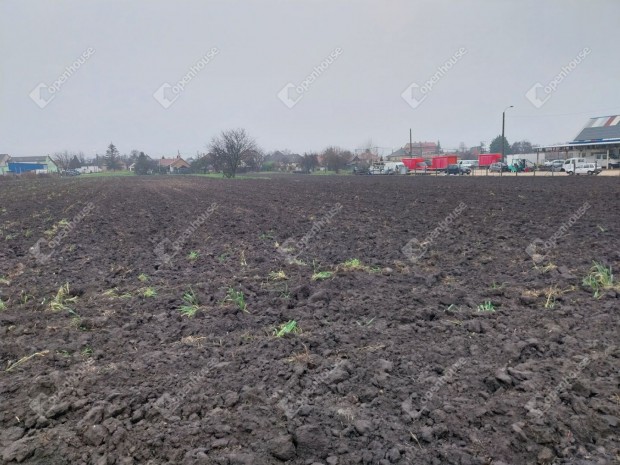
(394, 364)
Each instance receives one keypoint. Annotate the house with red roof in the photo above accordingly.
(172, 165)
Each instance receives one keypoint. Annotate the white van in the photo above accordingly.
(395, 167)
(569, 164)
(587, 168)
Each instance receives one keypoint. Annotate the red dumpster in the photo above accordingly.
(413, 164)
(488, 159)
(441, 162)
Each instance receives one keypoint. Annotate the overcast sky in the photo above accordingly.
(469, 58)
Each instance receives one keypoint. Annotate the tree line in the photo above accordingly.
(234, 150)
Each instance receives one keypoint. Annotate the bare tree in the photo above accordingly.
(309, 162)
(336, 159)
(62, 160)
(231, 149)
(255, 159)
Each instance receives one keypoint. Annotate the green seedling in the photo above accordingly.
(4, 281)
(114, 293)
(599, 279)
(267, 235)
(2, 305)
(285, 293)
(143, 278)
(290, 327)
(24, 297)
(353, 264)
(237, 298)
(321, 275)
(278, 275)
(366, 323)
(87, 352)
(486, 307)
(191, 305)
(551, 294)
(60, 301)
(193, 256)
(147, 292)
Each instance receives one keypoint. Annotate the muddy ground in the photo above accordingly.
(447, 321)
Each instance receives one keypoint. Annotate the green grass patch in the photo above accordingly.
(599, 279)
(487, 307)
(191, 305)
(238, 298)
(61, 299)
(290, 327)
(321, 275)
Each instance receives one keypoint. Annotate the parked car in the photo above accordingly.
(457, 169)
(498, 167)
(470, 164)
(556, 165)
(586, 168)
(569, 164)
(71, 173)
(553, 162)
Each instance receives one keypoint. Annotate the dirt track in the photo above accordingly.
(394, 363)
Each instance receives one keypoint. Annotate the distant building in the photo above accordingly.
(598, 142)
(421, 149)
(172, 165)
(43, 164)
(4, 163)
(415, 149)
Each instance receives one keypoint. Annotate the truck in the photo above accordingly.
(441, 162)
(388, 167)
(415, 163)
(487, 159)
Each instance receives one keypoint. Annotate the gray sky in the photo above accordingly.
(385, 46)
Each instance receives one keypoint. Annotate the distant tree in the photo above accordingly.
(231, 149)
(75, 163)
(309, 162)
(255, 159)
(201, 164)
(112, 158)
(496, 146)
(523, 146)
(336, 159)
(462, 147)
(483, 147)
(143, 164)
(438, 150)
(62, 160)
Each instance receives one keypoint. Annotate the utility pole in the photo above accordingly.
(410, 144)
(503, 137)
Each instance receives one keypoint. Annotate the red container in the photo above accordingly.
(441, 162)
(413, 164)
(489, 158)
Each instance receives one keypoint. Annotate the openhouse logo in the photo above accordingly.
(539, 93)
(43, 94)
(415, 94)
(291, 94)
(167, 93)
